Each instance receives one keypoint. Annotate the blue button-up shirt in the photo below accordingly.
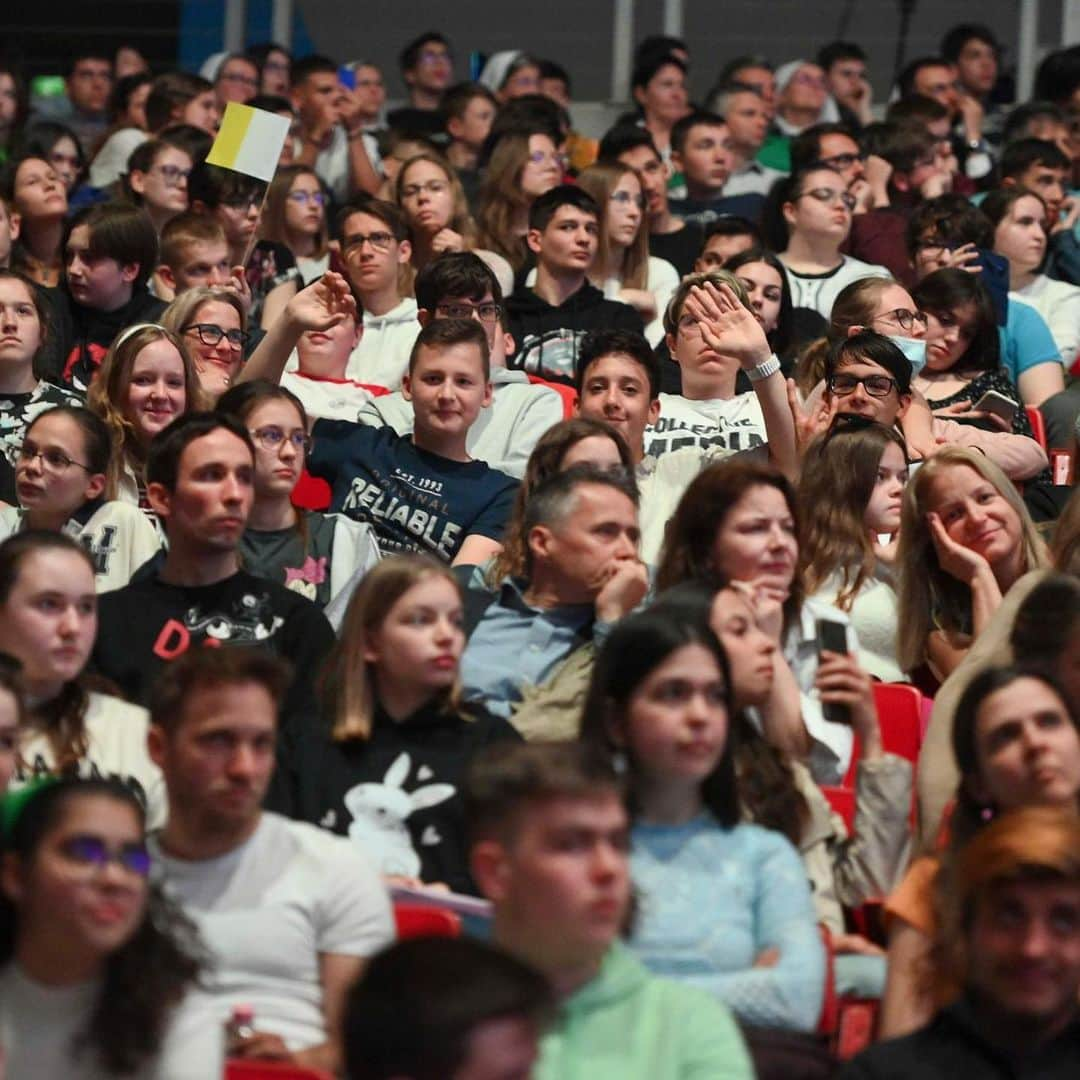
(516, 645)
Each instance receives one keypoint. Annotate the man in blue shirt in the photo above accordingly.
(582, 573)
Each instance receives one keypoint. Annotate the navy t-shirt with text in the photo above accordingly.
(415, 500)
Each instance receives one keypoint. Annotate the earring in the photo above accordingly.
(987, 814)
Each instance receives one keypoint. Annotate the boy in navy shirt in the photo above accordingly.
(424, 493)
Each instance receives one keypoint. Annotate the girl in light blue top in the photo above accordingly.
(723, 905)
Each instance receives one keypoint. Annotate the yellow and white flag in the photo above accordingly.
(249, 141)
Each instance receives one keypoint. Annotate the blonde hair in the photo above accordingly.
(348, 684)
(599, 181)
(108, 393)
(930, 598)
(460, 219)
(182, 310)
(501, 199)
(274, 227)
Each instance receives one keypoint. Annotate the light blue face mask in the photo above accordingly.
(914, 349)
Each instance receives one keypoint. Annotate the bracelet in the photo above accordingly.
(764, 369)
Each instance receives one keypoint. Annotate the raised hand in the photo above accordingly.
(809, 422)
(965, 257)
(323, 304)
(447, 240)
(956, 560)
(239, 287)
(726, 326)
(840, 681)
(626, 585)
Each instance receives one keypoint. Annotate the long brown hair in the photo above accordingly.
(838, 478)
(600, 180)
(545, 461)
(348, 684)
(461, 220)
(273, 226)
(501, 199)
(688, 552)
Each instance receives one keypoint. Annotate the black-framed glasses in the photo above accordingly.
(829, 196)
(487, 312)
(271, 437)
(904, 318)
(838, 162)
(91, 854)
(173, 174)
(877, 386)
(379, 241)
(211, 334)
(247, 203)
(52, 459)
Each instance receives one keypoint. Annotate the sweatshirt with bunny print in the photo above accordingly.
(396, 795)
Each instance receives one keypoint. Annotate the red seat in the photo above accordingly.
(900, 716)
(422, 920)
(238, 1069)
(567, 393)
(1038, 425)
(842, 801)
(848, 1022)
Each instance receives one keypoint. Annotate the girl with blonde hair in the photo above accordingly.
(389, 773)
(213, 325)
(965, 539)
(623, 267)
(146, 380)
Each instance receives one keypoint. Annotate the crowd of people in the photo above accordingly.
(486, 518)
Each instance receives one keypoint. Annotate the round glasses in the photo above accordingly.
(211, 334)
(271, 437)
(53, 460)
(903, 318)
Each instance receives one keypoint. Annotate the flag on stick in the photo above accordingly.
(249, 141)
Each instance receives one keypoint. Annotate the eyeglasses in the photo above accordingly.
(625, 198)
(430, 187)
(903, 318)
(247, 203)
(211, 334)
(54, 460)
(305, 197)
(380, 241)
(689, 325)
(838, 161)
(877, 386)
(540, 157)
(240, 80)
(433, 56)
(271, 438)
(488, 312)
(91, 854)
(172, 174)
(828, 195)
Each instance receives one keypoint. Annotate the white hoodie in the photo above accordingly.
(382, 357)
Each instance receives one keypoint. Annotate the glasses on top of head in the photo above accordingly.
(271, 437)
(211, 334)
(52, 459)
(878, 386)
(903, 318)
(91, 854)
(828, 195)
(462, 309)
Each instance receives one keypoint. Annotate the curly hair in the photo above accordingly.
(145, 978)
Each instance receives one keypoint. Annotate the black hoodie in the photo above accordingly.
(547, 338)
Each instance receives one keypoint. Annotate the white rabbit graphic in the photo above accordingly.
(379, 812)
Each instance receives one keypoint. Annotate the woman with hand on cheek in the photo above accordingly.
(965, 539)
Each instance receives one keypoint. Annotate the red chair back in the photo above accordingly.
(1038, 425)
(842, 801)
(567, 393)
(421, 920)
(900, 716)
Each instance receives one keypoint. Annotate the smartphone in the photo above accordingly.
(998, 404)
(832, 636)
(347, 76)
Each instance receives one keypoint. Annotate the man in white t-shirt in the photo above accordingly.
(708, 412)
(288, 912)
(619, 382)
